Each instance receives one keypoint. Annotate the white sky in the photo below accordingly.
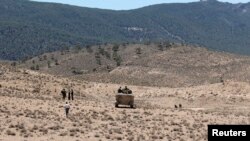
(125, 4)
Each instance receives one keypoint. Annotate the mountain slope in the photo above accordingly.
(32, 28)
(146, 65)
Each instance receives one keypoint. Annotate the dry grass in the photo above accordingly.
(32, 109)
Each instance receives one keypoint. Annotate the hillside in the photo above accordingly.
(31, 28)
(165, 64)
(32, 109)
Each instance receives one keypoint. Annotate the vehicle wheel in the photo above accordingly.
(131, 106)
(116, 105)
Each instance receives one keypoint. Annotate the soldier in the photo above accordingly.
(72, 94)
(120, 90)
(69, 93)
(63, 92)
(125, 90)
(67, 107)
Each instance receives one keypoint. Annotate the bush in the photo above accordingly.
(115, 48)
(89, 49)
(37, 67)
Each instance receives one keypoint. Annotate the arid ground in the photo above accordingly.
(31, 107)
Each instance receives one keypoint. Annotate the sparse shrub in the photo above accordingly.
(97, 55)
(10, 133)
(167, 44)
(11, 126)
(35, 127)
(49, 64)
(98, 61)
(44, 131)
(65, 49)
(138, 51)
(56, 62)
(13, 64)
(79, 72)
(36, 90)
(107, 54)
(147, 43)
(124, 44)
(63, 134)
(77, 48)
(117, 58)
(115, 48)
(37, 67)
(160, 47)
(101, 50)
(89, 49)
(40, 58)
(108, 68)
(44, 57)
(32, 68)
(62, 52)
(118, 61)
(23, 131)
(52, 56)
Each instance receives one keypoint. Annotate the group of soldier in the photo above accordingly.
(70, 97)
(126, 90)
(70, 94)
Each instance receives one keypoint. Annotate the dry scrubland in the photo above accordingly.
(32, 109)
(166, 65)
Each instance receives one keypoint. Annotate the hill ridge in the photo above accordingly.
(31, 28)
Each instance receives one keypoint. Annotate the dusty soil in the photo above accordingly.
(31, 109)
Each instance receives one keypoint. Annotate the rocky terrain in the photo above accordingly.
(31, 108)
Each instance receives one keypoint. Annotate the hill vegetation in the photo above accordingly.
(162, 64)
(31, 28)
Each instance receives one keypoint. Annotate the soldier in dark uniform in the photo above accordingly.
(69, 93)
(72, 94)
(120, 90)
(64, 93)
(125, 90)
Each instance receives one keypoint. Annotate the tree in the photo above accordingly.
(115, 48)
(37, 67)
(52, 56)
(107, 54)
(117, 58)
(49, 64)
(101, 50)
(160, 47)
(89, 49)
(56, 62)
(167, 44)
(108, 68)
(98, 59)
(78, 47)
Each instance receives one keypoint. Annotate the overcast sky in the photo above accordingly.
(125, 4)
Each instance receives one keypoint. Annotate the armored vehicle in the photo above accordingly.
(125, 99)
